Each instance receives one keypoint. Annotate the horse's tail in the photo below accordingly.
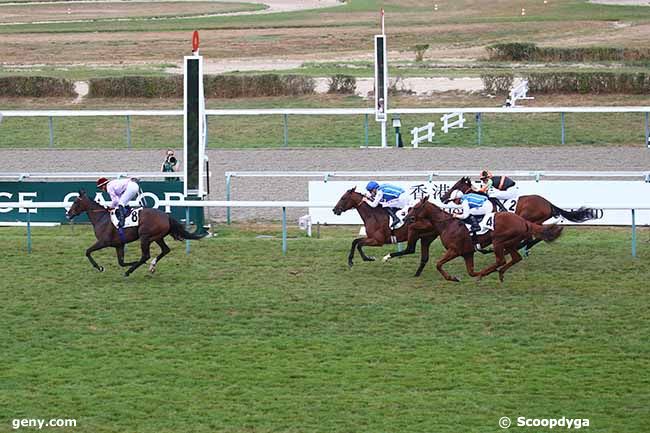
(577, 216)
(179, 233)
(547, 233)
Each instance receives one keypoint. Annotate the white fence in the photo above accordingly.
(417, 138)
(263, 204)
(285, 112)
(458, 123)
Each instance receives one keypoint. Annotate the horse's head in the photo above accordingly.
(416, 213)
(464, 185)
(351, 199)
(79, 206)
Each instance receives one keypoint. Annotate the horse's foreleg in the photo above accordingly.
(499, 253)
(120, 256)
(96, 246)
(469, 264)
(145, 244)
(164, 250)
(425, 244)
(351, 255)
(368, 242)
(450, 254)
(516, 257)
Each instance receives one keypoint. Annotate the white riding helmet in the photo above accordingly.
(455, 194)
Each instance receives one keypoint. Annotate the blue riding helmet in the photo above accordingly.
(372, 185)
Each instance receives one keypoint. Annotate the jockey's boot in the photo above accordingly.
(475, 228)
(121, 216)
(393, 214)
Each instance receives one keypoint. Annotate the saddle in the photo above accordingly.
(486, 224)
(131, 220)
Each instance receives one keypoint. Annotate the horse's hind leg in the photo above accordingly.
(120, 256)
(516, 257)
(96, 246)
(145, 245)
(164, 250)
(425, 244)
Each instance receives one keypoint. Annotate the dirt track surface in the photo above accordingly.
(502, 160)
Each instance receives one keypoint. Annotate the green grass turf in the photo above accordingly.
(237, 338)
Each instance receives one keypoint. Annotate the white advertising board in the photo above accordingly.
(565, 194)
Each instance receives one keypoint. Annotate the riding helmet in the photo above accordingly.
(486, 174)
(456, 194)
(101, 182)
(372, 185)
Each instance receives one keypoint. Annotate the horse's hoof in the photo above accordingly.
(386, 258)
(100, 268)
(350, 264)
(126, 274)
(370, 259)
(455, 279)
(152, 269)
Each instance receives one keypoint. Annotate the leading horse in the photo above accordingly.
(377, 224)
(153, 227)
(509, 231)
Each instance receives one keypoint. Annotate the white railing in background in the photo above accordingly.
(454, 124)
(28, 205)
(417, 138)
(20, 176)
(285, 112)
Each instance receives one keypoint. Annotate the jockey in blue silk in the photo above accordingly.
(472, 206)
(391, 197)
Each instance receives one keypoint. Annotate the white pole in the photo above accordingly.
(384, 142)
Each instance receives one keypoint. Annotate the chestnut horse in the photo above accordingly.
(377, 224)
(533, 208)
(153, 227)
(509, 231)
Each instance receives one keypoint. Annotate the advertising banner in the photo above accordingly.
(570, 194)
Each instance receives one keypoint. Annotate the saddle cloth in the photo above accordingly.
(486, 224)
(132, 220)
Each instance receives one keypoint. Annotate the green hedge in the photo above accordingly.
(136, 87)
(215, 86)
(589, 82)
(36, 87)
(572, 82)
(528, 52)
(344, 84)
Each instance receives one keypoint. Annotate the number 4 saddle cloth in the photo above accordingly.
(132, 219)
(486, 224)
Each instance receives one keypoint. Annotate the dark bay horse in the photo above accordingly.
(153, 227)
(533, 208)
(376, 222)
(509, 231)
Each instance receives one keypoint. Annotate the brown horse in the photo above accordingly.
(376, 222)
(153, 227)
(509, 231)
(533, 208)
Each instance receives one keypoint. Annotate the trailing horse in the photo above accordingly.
(154, 225)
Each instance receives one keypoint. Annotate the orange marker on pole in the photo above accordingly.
(195, 42)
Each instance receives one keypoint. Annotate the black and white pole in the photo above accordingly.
(381, 81)
(194, 131)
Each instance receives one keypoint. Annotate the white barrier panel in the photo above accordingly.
(564, 194)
